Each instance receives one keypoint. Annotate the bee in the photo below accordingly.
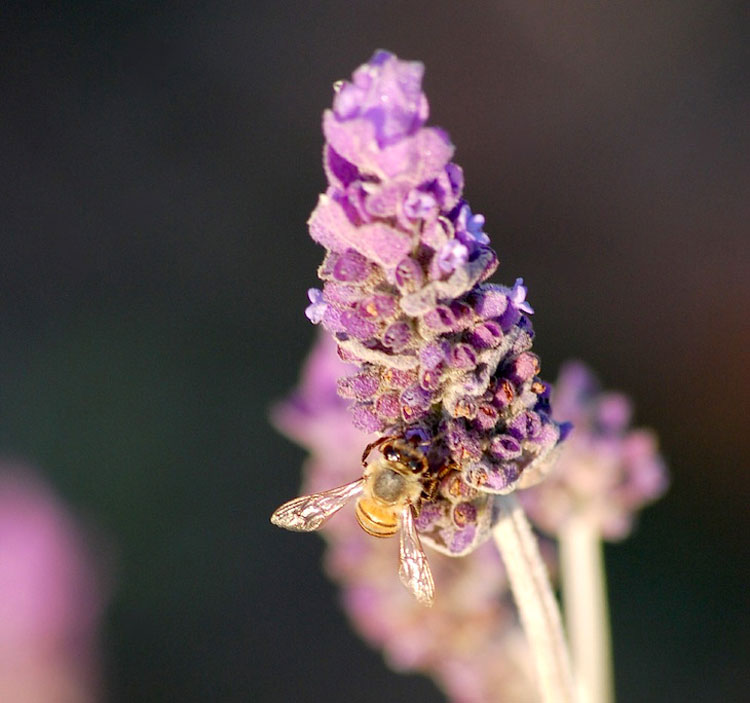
(389, 495)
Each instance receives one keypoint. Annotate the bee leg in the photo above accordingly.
(446, 469)
(379, 442)
(430, 488)
(431, 484)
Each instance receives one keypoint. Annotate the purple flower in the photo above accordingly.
(317, 308)
(605, 471)
(419, 204)
(518, 297)
(386, 92)
(452, 255)
(405, 293)
(469, 227)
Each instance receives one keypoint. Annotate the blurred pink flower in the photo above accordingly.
(606, 471)
(51, 597)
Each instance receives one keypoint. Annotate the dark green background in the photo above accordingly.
(159, 161)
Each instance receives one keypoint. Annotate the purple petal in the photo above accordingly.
(350, 267)
(518, 297)
(317, 308)
(397, 336)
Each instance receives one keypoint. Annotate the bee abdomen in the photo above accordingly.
(375, 520)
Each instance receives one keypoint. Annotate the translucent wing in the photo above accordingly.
(413, 568)
(310, 513)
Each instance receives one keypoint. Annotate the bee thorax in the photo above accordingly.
(388, 486)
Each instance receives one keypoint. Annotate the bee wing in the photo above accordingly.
(309, 513)
(413, 568)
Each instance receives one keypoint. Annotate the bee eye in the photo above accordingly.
(391, 454)
(417, 464)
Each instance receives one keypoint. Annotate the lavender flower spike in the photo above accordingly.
(443, 357)
(445, 375)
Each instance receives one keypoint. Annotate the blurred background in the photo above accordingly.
(159, 162)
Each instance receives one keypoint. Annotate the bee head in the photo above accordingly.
(406, 456)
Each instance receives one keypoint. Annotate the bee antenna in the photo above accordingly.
(379, 442)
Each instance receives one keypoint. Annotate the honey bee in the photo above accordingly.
(389, 496)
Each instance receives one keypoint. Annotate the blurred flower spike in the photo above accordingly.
(51, 597)
(605, 471)
(443, 357)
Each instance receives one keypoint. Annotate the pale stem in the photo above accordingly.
(537, 607)
(584, 592)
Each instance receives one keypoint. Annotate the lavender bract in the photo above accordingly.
(443, 356)
(606, 471)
